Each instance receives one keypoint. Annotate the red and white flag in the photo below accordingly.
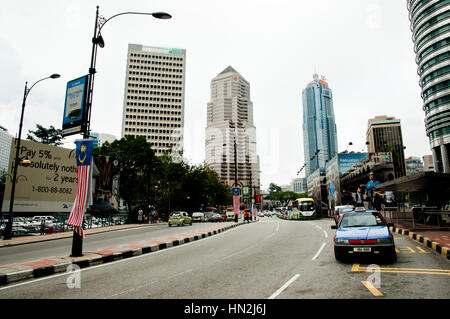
(84, 182)
(236, 205)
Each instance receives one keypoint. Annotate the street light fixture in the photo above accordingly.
(17, 161)
(98, 40)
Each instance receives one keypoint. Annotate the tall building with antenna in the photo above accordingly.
(319, 127)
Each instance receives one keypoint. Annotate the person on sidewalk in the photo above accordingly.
(140, 214)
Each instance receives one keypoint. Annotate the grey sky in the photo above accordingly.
(362, 47)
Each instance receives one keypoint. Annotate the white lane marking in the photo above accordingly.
(318, 253)
(255, 244)
(279, 291)
(317, 226)
(326, 234)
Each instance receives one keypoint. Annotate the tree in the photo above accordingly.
(50, 136)
(136, 163)
(285, 197)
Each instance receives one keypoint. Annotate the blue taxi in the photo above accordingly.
(363, 233)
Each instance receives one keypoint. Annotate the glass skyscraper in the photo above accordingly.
(430, 26)
(319, 127)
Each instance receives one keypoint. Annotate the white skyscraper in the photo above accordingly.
(5, 149)
(230, 133)
(154, 96)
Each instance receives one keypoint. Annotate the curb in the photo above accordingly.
(440, 249)
(15, 272)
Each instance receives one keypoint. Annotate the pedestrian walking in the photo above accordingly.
(140, 214)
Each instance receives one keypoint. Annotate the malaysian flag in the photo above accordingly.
(84, 183)
(236, 205)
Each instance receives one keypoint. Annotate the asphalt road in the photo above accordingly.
(270, 259)
(92, 242)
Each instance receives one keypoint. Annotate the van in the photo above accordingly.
(230, 215)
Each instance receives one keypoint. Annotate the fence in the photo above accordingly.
(428, 216)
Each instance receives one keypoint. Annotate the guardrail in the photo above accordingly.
(417, 215)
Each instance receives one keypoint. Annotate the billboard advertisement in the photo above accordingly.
(74, 108)
(48, 184)
(347, 161)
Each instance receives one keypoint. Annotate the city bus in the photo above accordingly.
(303, 208)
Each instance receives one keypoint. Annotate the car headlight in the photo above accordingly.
(341, 241)
(384, 241)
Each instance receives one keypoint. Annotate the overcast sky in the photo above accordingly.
(362, 47)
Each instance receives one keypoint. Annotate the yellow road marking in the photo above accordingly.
(422, 250)
(372, 289)
(406, 249)
(357, 268)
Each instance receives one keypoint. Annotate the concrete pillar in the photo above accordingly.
(444, 156)
(436, 159)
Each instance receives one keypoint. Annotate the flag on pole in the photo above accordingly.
(236, 205)
(84, 182)
(236, 193)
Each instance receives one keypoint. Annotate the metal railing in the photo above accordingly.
(430, 216)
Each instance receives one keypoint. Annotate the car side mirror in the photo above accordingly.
(334, 227)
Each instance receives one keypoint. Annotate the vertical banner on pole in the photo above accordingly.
(83, 196)
(236, 193)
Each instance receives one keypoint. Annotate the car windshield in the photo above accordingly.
(360, 220)
(177, 215)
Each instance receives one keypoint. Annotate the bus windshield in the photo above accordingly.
(305, 206)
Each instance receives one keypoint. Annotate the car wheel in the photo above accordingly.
(391, 257)
(338, 256)
(170, 225)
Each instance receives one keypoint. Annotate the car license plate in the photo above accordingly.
(362, 249)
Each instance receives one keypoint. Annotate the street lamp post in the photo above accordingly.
(97, 40)
(8, 229)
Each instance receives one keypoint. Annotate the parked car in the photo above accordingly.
(179, 218)
(217, 218)
(198, 217)
(339, 210)
(363, 233)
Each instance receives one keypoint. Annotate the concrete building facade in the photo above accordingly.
(384, 134)
(230, 145)
(154, 96)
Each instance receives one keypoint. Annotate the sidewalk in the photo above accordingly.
(435, 237)
(32, 239)
(52, 265)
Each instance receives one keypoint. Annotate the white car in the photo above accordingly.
(198, 217)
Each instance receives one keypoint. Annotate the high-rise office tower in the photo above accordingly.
(384, 134)
(430, 25)
(319, 127)
(230, 145)
(154, 96)
(5, 149)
